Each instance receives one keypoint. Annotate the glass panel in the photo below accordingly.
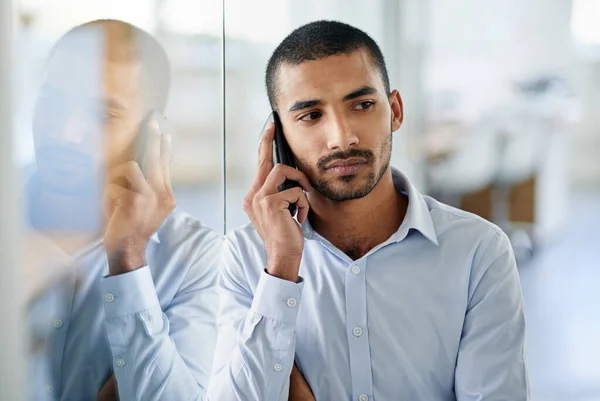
(191, 32)
(108, 115)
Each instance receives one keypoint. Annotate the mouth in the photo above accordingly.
(343, 167)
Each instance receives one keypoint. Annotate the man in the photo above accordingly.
(137, 313)
(381, 293)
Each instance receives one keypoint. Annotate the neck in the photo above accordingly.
(357, 226)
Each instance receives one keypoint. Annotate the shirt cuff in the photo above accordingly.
(128, 293)
(277, 299)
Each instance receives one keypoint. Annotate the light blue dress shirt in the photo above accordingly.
(434, 313)
(154, 327)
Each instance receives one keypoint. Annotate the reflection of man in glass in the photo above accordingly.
(381, 293)
(139, 308)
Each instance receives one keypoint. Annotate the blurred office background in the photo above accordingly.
(502, 118)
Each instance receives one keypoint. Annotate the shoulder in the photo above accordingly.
(185, 249)
(470, 238)
(244, 238)
(244, 256)
(180, 227)
(452, 222)
(245, 244)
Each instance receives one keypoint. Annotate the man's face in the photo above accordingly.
(87, 115)
(338, 121)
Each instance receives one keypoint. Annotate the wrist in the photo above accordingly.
(284, 268)
(126, 259)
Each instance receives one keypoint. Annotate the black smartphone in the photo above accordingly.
(283, 154)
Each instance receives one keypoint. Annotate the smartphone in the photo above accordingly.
(283, 154)
(142, 137)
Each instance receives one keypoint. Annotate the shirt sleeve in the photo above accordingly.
(163, 354)
(256, 342)
(491, 361)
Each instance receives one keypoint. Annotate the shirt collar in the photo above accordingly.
(417, 216)
(307, 230)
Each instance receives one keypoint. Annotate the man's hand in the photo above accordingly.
(108, 391)
(299, 388)
(138, 204)
(267, 208)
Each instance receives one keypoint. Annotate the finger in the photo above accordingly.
(115, 192)
(296, 195)
(265, 157)
(152, 158)
(303, 208)
(165, 160)
(125, 198)
(279, 174)
(265, 149)
(129, 175)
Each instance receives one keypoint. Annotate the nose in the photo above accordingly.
(339, 134)
(77, 128)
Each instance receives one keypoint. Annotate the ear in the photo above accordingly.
(397, 110)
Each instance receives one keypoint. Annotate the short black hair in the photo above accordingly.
(318, 40)
(138, 45)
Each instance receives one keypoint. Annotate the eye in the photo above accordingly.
(313, 115)
(107, 115)
(364, 105)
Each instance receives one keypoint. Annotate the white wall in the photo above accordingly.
(478, 47)
(585, 165)
(585, 168)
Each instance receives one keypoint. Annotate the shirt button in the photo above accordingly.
(58, 323)
(357, 331)
(291, 302)
(110, 298)
(363, 397)
(355, 269)
(49, 389)
(120, 362)
(277, 367)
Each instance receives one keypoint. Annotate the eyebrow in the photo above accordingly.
(112, 104)
(365, 90)
(305, 104)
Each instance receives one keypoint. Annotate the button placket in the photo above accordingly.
(357, 332)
